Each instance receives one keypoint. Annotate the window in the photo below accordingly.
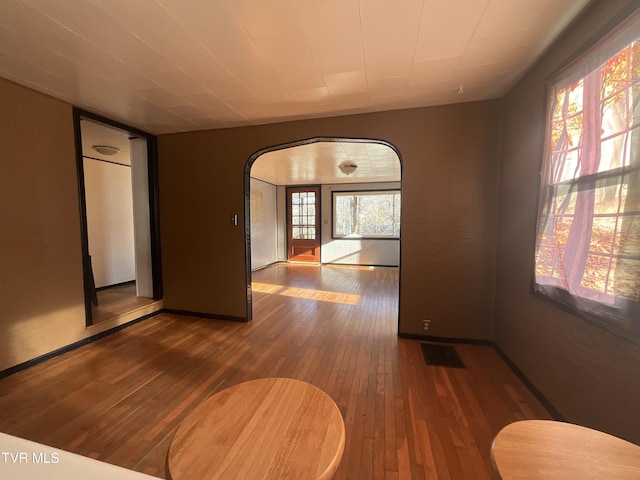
(588, 238)
(303, 215)
(373, 214)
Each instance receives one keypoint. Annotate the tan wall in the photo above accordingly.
(41, 299)
(448, 219)
(590, 376)
(41, 287)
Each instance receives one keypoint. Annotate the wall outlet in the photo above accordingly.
(426, 324)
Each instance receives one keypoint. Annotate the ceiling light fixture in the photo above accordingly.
(106, 149)
(347, 167)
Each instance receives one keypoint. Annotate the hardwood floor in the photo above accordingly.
(121, 302)
(121, 398)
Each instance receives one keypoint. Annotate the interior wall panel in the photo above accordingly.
(588, 374)
(41, 294)
(264, 224)
(450, 159)
(41, 284)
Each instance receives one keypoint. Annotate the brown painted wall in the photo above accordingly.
(41, 297)
(590, 376)
(41, 287)
(449, 216)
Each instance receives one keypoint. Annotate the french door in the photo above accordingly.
(303, 224)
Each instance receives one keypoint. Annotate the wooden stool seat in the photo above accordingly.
(544, 449)
(273, 428)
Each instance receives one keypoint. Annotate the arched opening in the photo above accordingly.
(324, 200)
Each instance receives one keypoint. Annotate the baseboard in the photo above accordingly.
(72, 346)
(432, 338)
(262, 267)
(210, 316)
(98, 336)
(362, 265)
(553, 411)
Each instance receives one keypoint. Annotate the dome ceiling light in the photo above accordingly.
(106, 149)
(347, 167)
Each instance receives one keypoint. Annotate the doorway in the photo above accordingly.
(117, 186)
(330, 166)
(303, 224)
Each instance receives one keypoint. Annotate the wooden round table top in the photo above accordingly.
(272, 428)
(545, 449)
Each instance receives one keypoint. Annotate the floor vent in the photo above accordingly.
(441, 355)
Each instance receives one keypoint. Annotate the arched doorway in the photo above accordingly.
(352, 186)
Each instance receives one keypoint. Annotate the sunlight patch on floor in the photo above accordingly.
(265, 287)
(306, 293)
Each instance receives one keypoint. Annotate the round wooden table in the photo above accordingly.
(272, 428)
(544, 449)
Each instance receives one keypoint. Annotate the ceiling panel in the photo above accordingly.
(390, 27)
(447, 27)
(502, 16)
(174, 65)
(265, 18)
(319, 162)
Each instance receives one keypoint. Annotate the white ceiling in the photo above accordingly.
(319, 163)
(180, 65)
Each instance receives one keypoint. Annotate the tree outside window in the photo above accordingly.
(373, 214)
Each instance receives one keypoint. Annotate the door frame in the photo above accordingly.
(318, 225)
(154, 211)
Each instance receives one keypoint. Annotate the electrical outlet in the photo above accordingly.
(426, 324)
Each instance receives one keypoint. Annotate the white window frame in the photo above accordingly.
(364, 193)
(612, 311)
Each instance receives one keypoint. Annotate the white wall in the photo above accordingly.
(281, 192)
(141, 217)
(264, 224)
(109, 221)
(351, 251)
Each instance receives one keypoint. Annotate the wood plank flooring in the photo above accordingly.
(121, 398)
(121, 301)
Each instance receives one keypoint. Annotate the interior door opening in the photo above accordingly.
(290, 207)
(118, 218)
(303, 224)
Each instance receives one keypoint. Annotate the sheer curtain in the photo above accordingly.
(588, 241)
